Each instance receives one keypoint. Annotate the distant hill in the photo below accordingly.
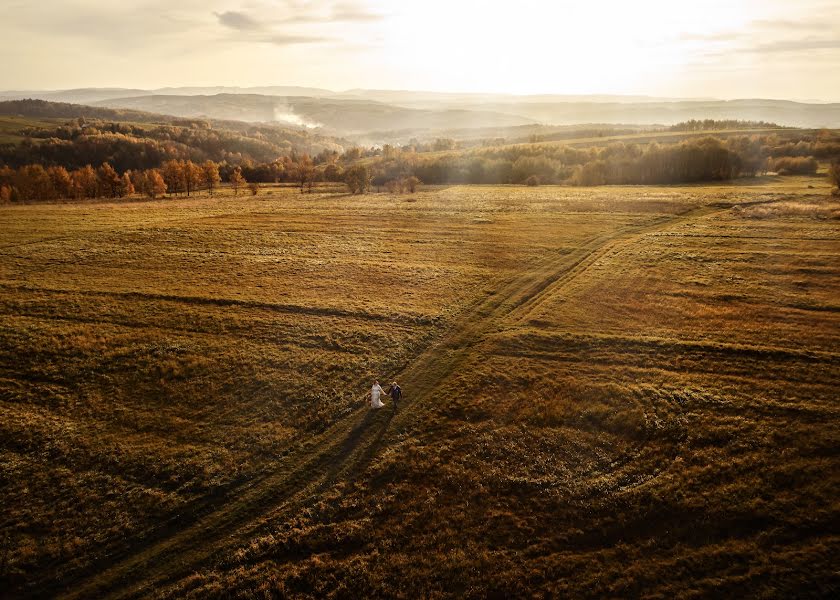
(350, 114)
(376, 116)
(345, 115)
(91, 95)
(784, 112)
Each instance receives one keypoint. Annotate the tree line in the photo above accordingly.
(721, 125)
(36, 182)
(706, 159)
(403, 169)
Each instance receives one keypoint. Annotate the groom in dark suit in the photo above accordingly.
(395, 392)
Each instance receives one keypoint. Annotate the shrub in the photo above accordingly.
(532, 181)
(795, 165)
(834, 173)
(357, 179)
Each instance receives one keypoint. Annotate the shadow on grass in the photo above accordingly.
(374, 424)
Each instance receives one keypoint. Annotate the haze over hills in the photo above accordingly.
(89, 95)
(365, 115)
(345, 115)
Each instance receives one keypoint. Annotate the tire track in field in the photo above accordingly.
(348, 446)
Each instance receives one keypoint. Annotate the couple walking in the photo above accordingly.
(376, 391)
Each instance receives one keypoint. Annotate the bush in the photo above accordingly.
(357, 179)
(532, 181)
(834, 173)
(795, 165)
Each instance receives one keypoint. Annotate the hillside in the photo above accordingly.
(361, 112)
(348, 116)
(73, 135)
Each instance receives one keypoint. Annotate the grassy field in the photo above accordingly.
(12, 126)
(614, 391)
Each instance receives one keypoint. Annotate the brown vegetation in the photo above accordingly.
(794, 165)
(608, 392)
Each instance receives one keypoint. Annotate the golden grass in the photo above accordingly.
(649, 411)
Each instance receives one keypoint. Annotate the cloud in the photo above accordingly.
(789, 25)
(354, 12)
(238, 20)
(262, 25)
(797, 45)
(723, 36)
(281, 39)
(342, 12)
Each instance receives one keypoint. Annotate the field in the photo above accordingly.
(614, 391)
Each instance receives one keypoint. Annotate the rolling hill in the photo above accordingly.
(360, 113)
(343, 115)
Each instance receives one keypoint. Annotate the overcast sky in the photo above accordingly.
(705, 48)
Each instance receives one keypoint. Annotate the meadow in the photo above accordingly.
(612, 391)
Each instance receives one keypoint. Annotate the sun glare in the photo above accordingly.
(531, 47)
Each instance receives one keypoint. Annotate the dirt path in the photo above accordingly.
(349, 445)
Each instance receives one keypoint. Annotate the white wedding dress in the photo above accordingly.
(375, 393)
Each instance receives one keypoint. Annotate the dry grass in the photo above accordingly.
(657, 418)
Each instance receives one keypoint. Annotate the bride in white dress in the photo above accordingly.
(375, 393)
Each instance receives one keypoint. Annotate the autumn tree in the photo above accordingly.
(85, 182)
(210, 175)
(332, 172)
(173, 175)
(305, 172)
(357, 179)
(7, 176)
(237, 180)
(109, 181)
(34, 183)
(834, 174)
(138, 180)
(126, 187)
(191, 174)
(154, 184)
(61, 181)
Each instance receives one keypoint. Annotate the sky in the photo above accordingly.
(668, 48)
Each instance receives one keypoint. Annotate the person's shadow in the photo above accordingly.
(375, 423)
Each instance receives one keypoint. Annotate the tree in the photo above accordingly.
(61, 181)
(237, 180)
(7, 176)
(138, 181)
(305, 172)
(154, 185)
(191, 174)
(109, 181)
(126, 185)
(333, 172)
(443, 144)
(173, 175)
(210, 175)
(411, 183)
(834, 174)
(85, 182)
(33, 183)
(357, 179)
